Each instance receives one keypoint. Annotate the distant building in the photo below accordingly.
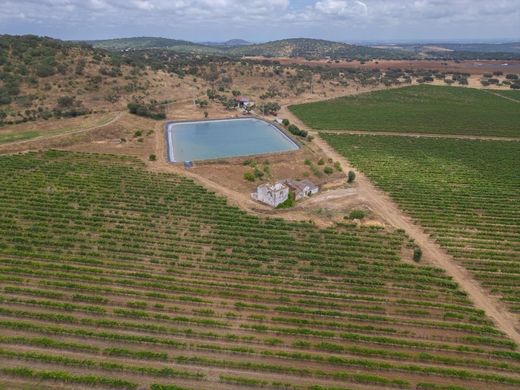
(302, 188)
(271, 195)
(243, 101)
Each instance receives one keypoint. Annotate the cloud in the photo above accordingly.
(258, 17)
(342, 8)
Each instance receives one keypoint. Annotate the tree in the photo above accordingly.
(351, 176)
(201, 103)
(66, 101)
(285, 122)
(212, 94)
(270, 108)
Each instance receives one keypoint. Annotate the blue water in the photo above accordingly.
(224, 138)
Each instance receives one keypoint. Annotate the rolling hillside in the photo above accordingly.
(44, 78)
(317, 48)
(140, 43)
(297, 47)
(313, 48)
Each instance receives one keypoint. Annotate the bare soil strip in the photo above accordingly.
(417, 135)
(502, 96)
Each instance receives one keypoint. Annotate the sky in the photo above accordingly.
(263, 20)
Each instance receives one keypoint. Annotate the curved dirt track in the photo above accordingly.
(68, 133)
(385, 207)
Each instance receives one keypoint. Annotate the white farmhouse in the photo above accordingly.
(272, 195)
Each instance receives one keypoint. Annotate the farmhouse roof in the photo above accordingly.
(300, 185)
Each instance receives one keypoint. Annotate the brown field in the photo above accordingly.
(468, 66)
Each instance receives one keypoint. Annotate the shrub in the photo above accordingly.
(149, 111)
(285, 122)
(258, 173)
(417, 254)
(65, 101)
(249, 176)
(4, 97)
(357, 214)
(328, 170)
(152, 157)
(293, 129)
(351, 176)
(289, 202)
(45, 70)
(321, 161)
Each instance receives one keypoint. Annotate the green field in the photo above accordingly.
(417, 109)
(465, 193)
(513, 94)
(18, 136)
(115, 277)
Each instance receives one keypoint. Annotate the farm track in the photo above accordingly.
(417, 135)
(502, 96)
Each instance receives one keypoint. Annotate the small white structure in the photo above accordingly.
(272, 195)
(302, 188)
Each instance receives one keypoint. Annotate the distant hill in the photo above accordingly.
(229, 43)
(142, 43)
(314, 48)
(297, 47)
(460, 50)
(513, 47)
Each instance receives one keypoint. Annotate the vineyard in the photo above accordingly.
(115, 277)
(465, 193)
(418, 109)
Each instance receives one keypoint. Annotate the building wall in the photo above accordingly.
(271, 197)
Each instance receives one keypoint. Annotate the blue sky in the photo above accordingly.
(261, 20)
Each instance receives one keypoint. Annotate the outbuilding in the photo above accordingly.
(302, 188)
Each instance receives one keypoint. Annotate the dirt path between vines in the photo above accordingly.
(502, 96)
(385, 207)
(419, 135)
